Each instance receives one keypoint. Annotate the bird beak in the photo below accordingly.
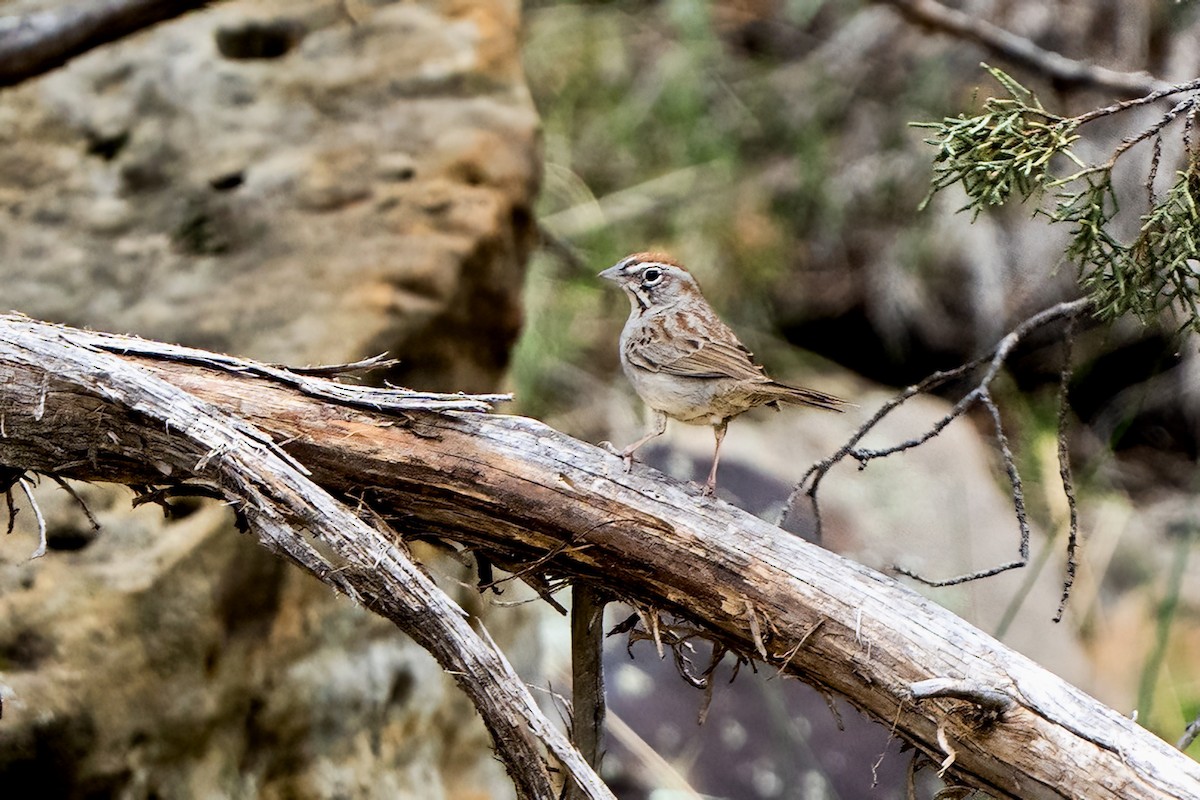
(613, 273)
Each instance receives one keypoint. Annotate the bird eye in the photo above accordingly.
(651, 276)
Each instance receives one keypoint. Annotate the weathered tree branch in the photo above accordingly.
(526, 494)
(167, 434)
(35, 44)
(1064, 71)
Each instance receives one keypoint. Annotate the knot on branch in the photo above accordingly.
(987, 704)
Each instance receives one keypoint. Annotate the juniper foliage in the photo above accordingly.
(1015, 147)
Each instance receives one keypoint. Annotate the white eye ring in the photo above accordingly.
(652, 276)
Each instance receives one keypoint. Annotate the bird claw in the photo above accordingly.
(624, 455)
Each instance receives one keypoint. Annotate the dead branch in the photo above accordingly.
(53, 373)
(37, 43)
(518, 489)
(1067, 73)
(981, 395)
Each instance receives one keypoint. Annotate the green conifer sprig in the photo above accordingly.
(1015, 147)
(1005, 149)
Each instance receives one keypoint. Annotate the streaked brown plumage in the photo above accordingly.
(684, 362)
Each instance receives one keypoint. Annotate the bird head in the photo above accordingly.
(652, 280)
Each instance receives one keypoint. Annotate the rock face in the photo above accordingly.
(210, 179)
(293, 181)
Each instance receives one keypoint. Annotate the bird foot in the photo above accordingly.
(624, 455)
(709, 490)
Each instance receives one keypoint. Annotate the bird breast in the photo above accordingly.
(694, 400)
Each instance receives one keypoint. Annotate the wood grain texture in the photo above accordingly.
(69, 408)
(520, 490)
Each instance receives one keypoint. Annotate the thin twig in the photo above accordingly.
(980, 394)
(37, 513)
(818, 470)
(87, 512)
(12, 510)
(1164, 91)
(1187, 104)
(1018, 496)
(1152, 174)
(1064, 71)
(571, 544)
(1064, 468)
(1189, 122)
(810, 481)
(370, 364)
(1189, 734)
(951, 754)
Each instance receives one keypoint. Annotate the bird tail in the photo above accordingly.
(795, 395)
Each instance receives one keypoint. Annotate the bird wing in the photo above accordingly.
(692, 347)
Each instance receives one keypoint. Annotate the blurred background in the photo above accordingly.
(317, 181)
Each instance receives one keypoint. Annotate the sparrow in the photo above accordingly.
(684, 362)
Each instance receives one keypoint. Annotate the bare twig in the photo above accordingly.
(37, 43)
(1188, 123)
(1161, 93)
(12, 510)
(370, 364)
(87, 512)
(944, 743)
(306, 379)
(1189, 734)
(1064, 71)
(37, 513)
(818, 470)
(1185, 105)
(810, 481)
(1064, 468)
(8, 479)
(980, 394)
(1018, 496)
(161, 496)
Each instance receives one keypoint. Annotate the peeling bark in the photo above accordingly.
(68, 409)
(525, 494)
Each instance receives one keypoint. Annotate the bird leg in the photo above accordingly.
(710, 487)
(660, 427)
